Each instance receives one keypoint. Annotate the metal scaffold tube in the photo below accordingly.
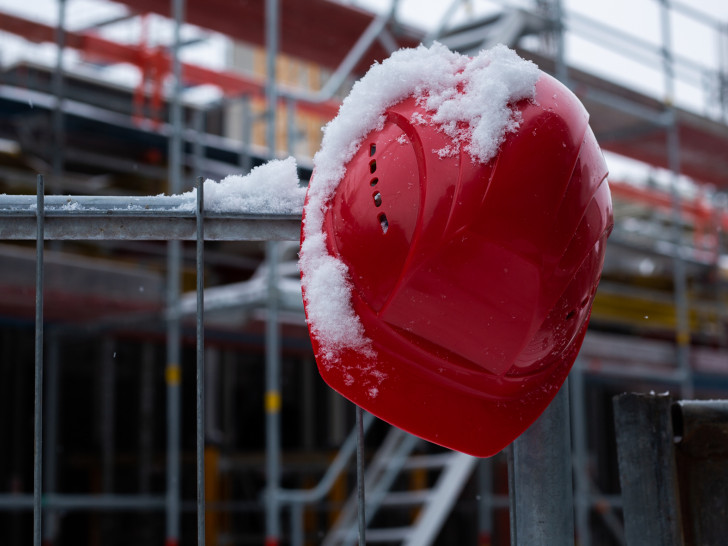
(200, 319)
(174, 264)
(682, 333)
(272, 332)
(540, 482)
(58, 92)
(86, 217)
(38, 391)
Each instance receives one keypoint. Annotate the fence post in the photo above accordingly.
(540, 484)
(649, 488)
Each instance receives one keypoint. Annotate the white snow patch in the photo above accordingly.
(272, 187)
(72, 205)
(477, 117)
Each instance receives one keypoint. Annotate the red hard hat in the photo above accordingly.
(473, 282)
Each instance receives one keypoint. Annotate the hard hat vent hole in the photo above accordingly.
(377, 199)
(372, 149)
(372, 166)
(571, 314)
(374, 181)
(383, 222)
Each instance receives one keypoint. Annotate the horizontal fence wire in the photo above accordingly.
(38, 391)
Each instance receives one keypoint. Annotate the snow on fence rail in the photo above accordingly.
(241, 209)
(264, 205)
(161, 217)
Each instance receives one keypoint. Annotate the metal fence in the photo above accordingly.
(42, 218)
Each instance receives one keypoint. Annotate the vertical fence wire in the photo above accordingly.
(38, 394)
(272, 343)
(200, 254)
(174, 265)
(361, 506)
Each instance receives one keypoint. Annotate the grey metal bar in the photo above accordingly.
(272, 400)
(700, 429)
(38, 390)
(271, 90)
(485, 500)
(85, 502)
(200, 266)
(174, 261)
(58, 91)
(580, 453)
(542, 506)
(511, 494)
(291, 129)
(150, 228)
(198, 146)
(245, 159)
(360, 493)
(117, 205)
(703, 423)
(173, 375)
(682, 334)
(85, 217)
(272, 328)
(649, 487)
(175, 102)
(562, 72)
(297, 535)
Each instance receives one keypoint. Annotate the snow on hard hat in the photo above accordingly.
(453, 239)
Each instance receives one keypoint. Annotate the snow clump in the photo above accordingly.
(270, 188)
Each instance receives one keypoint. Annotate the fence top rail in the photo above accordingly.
(94, 205)
(161, 217)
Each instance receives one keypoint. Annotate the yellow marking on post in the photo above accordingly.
(683, 338)
(272, 402)
(173, 374)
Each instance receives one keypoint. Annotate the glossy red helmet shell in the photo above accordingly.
(474, 282)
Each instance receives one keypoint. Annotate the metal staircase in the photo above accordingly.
(394, 458)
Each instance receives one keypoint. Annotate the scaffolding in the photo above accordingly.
(653, 130)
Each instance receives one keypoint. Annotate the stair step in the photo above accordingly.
(436, 460)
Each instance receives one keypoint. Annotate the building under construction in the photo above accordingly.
(121, 401)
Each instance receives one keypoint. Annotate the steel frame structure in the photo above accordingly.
(42, 218)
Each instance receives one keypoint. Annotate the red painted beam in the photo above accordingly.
(102, 50)
(703, 154)
(319, 31)
(696, 209)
